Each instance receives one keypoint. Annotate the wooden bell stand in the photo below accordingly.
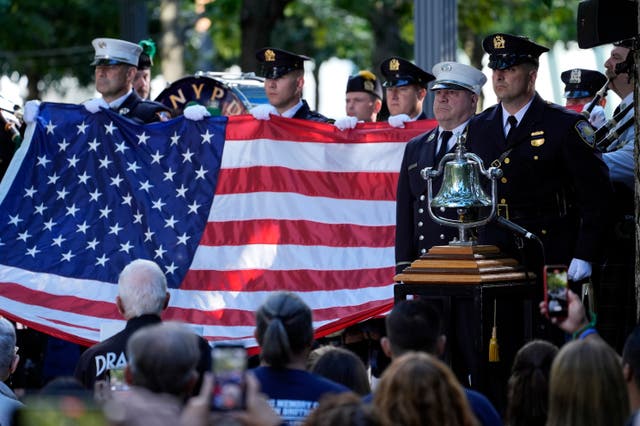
(465, 281)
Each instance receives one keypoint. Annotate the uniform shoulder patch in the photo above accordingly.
(586, 132)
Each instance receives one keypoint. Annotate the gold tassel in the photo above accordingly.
(494, 356)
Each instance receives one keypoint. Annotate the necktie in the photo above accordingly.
(446, 135)
(513, 123)
(618, 109)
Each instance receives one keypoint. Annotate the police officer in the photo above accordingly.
(555, 184)
(406, 88)
(580, 89)
(363, 100)
(456, 88)
(284, 79)
(115, 64)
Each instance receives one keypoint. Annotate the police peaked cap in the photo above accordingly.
(581, 83)
(274, 63)
(365, 81)
(506, 50)
(400, 72)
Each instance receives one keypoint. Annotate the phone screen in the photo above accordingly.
(556, 288)
(229, 364)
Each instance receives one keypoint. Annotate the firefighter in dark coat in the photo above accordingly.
(555, 185)
(456, 88)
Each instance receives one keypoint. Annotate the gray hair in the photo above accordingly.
(163, 357)
(142, 287)
(7, 347)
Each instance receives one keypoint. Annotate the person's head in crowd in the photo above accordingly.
(406, 86)
(284, 76)
(284, 331)
(345, 408)
(418, 389)
(456, 88)
(413, 325)
(529, 384)
(581, 86)
(364, 96)
(342, 366)
(631, 367)
(142, 289)
(163, 359)
(514, 61)
(587, 386)
(116, 63)
(142, 79)
(617, 68)
(9, 357)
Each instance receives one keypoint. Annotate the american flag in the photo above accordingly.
(232, 209)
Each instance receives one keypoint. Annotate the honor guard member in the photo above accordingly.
(284, 79)
(581, 87)
(363, 100)
(555, 184)
(142, 80)
(406, 88)
(456, 88)
(116, 64)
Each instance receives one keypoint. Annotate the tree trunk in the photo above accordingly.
(171, 45)
(386, 32)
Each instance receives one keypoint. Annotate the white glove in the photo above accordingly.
(398, 120)
(344, 123)
(597, 117)
(94, 105)
(261, 112)
(579, 269)
(196, 112)
(31, 110)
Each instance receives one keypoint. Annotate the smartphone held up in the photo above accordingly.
(556, 288)
(229, 364)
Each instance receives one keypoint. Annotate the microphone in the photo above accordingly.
(517, 229)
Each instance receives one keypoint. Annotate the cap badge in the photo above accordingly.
(394, 65)
(446, 67)
(369, 86)
(269, 55)
(498, 42)
(575, 76)
(102, 45)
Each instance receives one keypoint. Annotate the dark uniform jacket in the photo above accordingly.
(306, 113)
(555, 184)
(97, 360)
(416, 231)
(140, 110)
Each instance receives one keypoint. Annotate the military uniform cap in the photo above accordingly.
(456, 76)
(111, 51)
(274, 63)
(581, 83)
(506, 50)
(400, 72)
(365, 81)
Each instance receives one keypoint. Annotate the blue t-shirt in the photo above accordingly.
(294, 393)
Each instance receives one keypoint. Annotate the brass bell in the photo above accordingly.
(461, 186)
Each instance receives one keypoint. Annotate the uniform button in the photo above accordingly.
(544, 232)
(423, 251)
(419, 224)
(420, 210)
(421, 237)
(422, 198)
(507, 160)
(442, 209)
(504, 180)
(503, 201)
(535, 157)
(442, 236)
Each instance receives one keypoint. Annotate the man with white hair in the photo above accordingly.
(142, 296)
(9, 359)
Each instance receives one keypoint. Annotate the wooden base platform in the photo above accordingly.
(471, 264)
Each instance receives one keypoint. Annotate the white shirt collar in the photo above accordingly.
(292, 111)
